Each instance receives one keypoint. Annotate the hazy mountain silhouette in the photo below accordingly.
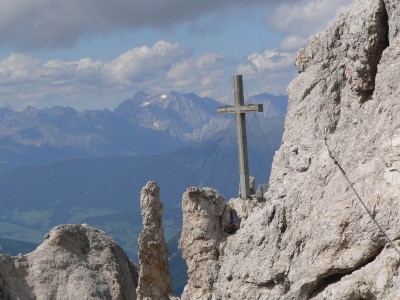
(104, 191)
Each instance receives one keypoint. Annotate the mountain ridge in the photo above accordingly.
(102, 191)
(168, 123)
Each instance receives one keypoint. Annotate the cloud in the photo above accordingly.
(58, 23)
(17, 68)
(271, 70)
(292, 42)
(25, 80)
(269, 60)
(84, 83)
(158, 68)
(142, 63)
(161, 67)
(203, 70)
(83, 71)
(306, 17)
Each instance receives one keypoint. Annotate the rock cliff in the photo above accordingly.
(207, 228)
(154, 279)
(205, 215)
(314, 239)
(74, 262)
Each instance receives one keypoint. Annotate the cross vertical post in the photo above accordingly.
(240, 111)
(242, 139)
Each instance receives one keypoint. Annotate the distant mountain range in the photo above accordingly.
(185, 117)
(59, 165)
(143, 125)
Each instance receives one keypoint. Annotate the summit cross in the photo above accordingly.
(240, 111)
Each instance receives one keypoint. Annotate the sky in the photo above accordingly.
(93, 54)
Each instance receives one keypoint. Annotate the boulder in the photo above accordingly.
(73, 262)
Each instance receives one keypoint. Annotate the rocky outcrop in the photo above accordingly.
(313, 239)
(205, 218)
(243, 208)
(154, 279)
(74, 262)
(208, 224)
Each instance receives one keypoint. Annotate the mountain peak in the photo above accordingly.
(140, 95)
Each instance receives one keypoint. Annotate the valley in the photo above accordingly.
(63, 166)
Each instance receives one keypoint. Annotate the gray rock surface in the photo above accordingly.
(243, 208)
(74, 262)
(205, 217)
(154, 279)
(313, 239)
(207, 227)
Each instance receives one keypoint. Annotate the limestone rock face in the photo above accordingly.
(207, 227)
(154, 279)
(243, 208)
(205, 217)
(74, 262)
(313, 239)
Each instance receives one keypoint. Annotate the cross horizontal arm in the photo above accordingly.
(240, 109)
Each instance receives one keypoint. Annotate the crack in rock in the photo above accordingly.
(335, 275)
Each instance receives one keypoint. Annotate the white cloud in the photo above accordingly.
(207, 75)
(26, 80)
(157, 68)
(203, 70)
(270, 71)
(142, 63)
(82, 71)
(292, 42)
(269, 60)
(162, 67)
(306, 17)
(18, 69)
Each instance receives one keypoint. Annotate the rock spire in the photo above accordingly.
(154, 279)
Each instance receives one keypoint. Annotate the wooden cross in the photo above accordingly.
(240, 111)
